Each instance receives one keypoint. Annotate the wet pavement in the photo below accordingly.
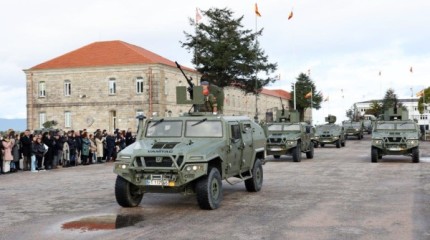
(337, 195)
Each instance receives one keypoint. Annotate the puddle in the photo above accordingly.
(107, 222)
(424, 159)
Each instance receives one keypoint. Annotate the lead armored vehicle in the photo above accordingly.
(191, 154)
(288, 136)
(330, 133)
(353, 128)
(395, 134)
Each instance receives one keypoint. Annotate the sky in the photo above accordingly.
(344, 45)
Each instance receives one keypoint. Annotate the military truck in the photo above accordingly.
(330, 133)
(191, 154)
(353, 128)
(395, 134)
(288, 136)
(368, 120)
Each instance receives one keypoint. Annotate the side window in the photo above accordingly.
(42, 89)
(139, 85)
(67, 88)
(235, 132)
(112, 86)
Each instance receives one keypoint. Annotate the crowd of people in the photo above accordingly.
(41, 151)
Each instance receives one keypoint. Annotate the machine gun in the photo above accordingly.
(282, 105)
(189, 81)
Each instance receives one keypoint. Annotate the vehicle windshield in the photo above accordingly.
(164, 129)
(200, 128)
(398, 126)
(284, 127)
(353, 124)
(323, 128)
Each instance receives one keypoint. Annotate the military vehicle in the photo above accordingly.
(353, 128)
(330, 133)
(191, 154)
(288, 136)
(368, 120)
(395, 134)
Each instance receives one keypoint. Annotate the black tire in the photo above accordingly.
(276, 156)
(322, 144)
(297, 153)
(346, 137)
(310, 153)
(374, 155)
(338, 143)
(316, 145)
(126, 193)
(255, 183)
(415, 155)
(343, 143)
(209, 190)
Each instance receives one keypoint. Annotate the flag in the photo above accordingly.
(410, 70)
(420, 93)
(256, 10)
(290, 15)
(198, 16)
(326, 99)
(308, 95)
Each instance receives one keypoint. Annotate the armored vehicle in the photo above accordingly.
(395, 134)
(353, 128)
(368, 123)
(288, 136)
(191, 154)
(330, 133)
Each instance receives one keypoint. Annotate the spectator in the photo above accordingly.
(100, 147)
(129, 137)
(78, 139)
(7, 153)
(15, 152)
(49, 155)
(39, 150)
(93, 150)
(26, 150)
(110, 147)
(72, 149)
(85, 150)
(33, 154)
(66, 152)
(58, 149)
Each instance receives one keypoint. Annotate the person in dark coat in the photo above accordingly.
(39, 150)
(71, 141)
(110, 146)
(129, 137)
(49, 156)
(26, 150)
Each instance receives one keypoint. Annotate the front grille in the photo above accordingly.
(395, 139)
(158, 162)
(275, 140)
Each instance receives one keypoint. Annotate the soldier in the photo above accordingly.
(210, 104)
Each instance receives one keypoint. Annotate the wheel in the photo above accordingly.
(374, 155)
(297, 153)
(316, 145)
(322, 144)
(346, 137)
(209, 190)
(310, 153)
(343, 143)
(276, 156)
(338, 143)
(415, 155)
(255, 183)
(126, 193)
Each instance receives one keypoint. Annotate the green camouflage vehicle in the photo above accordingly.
(330, 133)
(368, 122)
(288, 136)
(395, 134)
(353, 129)
(191, 154)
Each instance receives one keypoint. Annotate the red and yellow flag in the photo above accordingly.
(198, 16)
(256, 10)
(290, 15)
(308, 95)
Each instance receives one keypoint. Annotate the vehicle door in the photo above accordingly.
(306, 136)
(248, 146)
(235, 154)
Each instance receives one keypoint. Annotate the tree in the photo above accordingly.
(375, 108)
(304, 85)
(50, 124)
(226, 54)
(390, 101)
(353, 113)
(424, 100)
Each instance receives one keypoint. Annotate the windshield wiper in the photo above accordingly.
(157, 122)
(197, 123)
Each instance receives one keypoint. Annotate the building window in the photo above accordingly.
(139, 85)
(42, 89)
(166, 87)
(67, 119)
(67, 88)
(42, 119)
(112, 86)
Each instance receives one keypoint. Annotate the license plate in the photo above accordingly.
(157, 182)
(395, 149)
(276, 149)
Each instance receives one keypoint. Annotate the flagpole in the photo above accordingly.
(256, 96)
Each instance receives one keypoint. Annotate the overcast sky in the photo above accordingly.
(344, 44)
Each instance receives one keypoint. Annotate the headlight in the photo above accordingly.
(412, 142)
(291, 142)
(377, 141)
(356, 129)
(194, 167)
(335, 137)
(122, 166)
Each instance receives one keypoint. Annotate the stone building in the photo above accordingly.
(105, 85)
